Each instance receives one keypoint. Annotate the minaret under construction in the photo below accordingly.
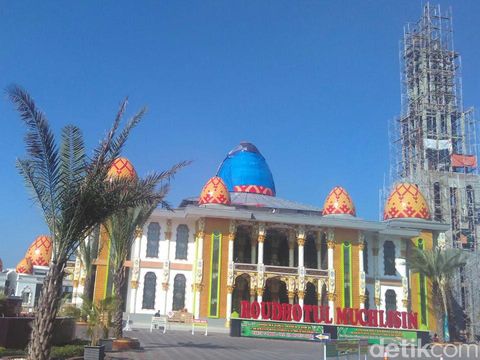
(434, 140)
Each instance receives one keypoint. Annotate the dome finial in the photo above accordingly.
(246, 170)
(122, 168)
(406, 201)
(214, 192)
(338, 202)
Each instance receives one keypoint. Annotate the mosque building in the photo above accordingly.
(238, 243)
(26, 280)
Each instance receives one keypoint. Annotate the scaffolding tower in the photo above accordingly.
(434, 141)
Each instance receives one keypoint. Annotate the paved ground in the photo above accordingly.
(179, 345)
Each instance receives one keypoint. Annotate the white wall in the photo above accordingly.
(139, 249)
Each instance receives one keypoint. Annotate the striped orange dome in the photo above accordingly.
(214, 192)
(122, 168)
(406, 201)
(338, 202)
(40, 252)
(24, 266)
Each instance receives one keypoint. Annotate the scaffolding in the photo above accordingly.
(433, 142)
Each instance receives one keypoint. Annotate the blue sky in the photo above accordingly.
(312, 83)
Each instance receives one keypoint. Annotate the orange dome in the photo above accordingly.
(40, 252)
(122, 168)
(214, 192)
(24, 266)
(406, 201)
(338, 202)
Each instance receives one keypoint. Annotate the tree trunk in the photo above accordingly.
(445, 311)
(42, 329)
(118, 282)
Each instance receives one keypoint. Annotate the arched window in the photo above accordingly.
(153, 239)
(367, 299)
(389, 258)
(179, 292)
(181, 249)
(149, 287)
(324, 300)
(26, 295)
(390, 300)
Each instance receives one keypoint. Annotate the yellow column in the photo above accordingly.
(135, 270)
(291, 290)
(331, 272)
(197, 285)
(301, 235)
(166, 266)
(230, 274)
(361, 248)
(261, 267)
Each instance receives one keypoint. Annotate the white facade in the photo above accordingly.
(166, 266)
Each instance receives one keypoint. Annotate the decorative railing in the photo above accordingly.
(280, 270)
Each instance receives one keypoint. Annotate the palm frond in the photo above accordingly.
(41, 147)
(119, 141)
(72, 157)
(103, 150)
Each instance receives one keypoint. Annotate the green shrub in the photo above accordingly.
(74, 349)
(67, 351)
(70, 311)
(11, 352)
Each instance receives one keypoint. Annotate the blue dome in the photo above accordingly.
(245, 170)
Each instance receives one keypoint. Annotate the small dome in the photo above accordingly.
(122, 168)
(406, 201)
(338, 202)
(40, 252)
(214, 192)
(24, 266)
(245, 170)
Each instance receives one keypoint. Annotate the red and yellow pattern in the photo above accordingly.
(214, 192)
(24, 266)
(338, 202)
(406, 201)
(40, 252)
(256, 189)
(122, 168)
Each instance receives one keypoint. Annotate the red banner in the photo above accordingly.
(320, 314)
(463, 160)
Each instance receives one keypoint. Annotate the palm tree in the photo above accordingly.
(87, 251)
(74, 195)
(121, 228)
(439, 266)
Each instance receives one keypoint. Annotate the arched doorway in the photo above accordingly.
(275, 291)
(241, 291)
(324, 299)
(179, 292)
(149, 289)
(311, 297)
